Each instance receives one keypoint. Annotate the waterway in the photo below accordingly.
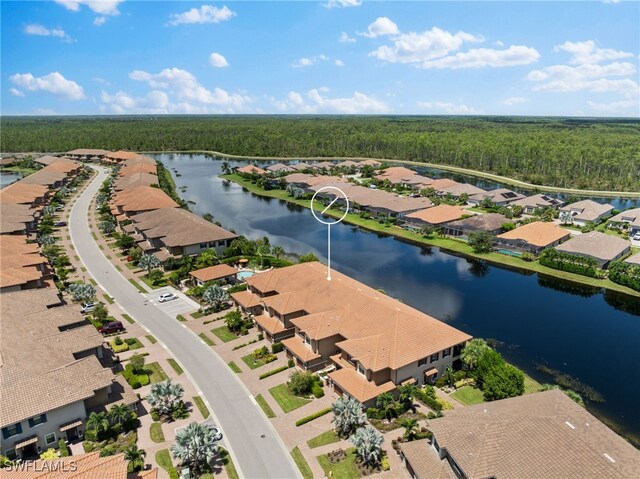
(584, 332)
(8, 177)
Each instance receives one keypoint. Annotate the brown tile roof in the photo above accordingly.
(595, 244)
(88, 152)
(214, 272)
(537, 233)
(138, 159)
(134, 179)
(485, 222)
(438, 214)
(122, 155)
(631, 216)
(46, 177)
(178, 227)
(373, 163)
(271, 324)
(441, 184)
(138, 167)
(297, 347)
(38, 370)
(538, 201)
(538, 435)
(357, 386)
(18, 261)
(21, 192)
(320, 325)
(14, 217)
(143, 198)
(588, 210)
(64, 165)
(7, 161)
(279, 167)
(251, 170)
(47, 159)
(499, 195)
(246, 299)
(459, 189)
(348, 163)
(424, 460)
(395, 173)
(633, 259)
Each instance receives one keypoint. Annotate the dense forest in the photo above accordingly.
(564, 152)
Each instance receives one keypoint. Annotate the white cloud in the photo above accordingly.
(339, 63)
(317, 101)
(486, 57)
(218, 61)
(101, 81)
(588, 52)
(204, 14)
(16, 92)
(343, 3)
(617, 108)
(515, 100)
(102, 7)
(186, 88)
(449, 108)
(345, 38)
(421, 47)
(588, 77)
(309, 61)
(53, 83)
(381, 26)
(44, 111)
(498, 43)
(42, 31)
(154, 102)
(98, 21)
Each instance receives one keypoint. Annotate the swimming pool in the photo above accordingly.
(245, 274)
(509, 253)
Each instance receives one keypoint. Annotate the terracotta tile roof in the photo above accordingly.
(271, 324)
(14, 217)
(538, 201)
(137, 160)
(19, 261)
(537, 233)
(135, 179)
(64, 165)
(139, 167)
(597, 245)
(395, 172)
(120, 156)
(47, 159)
(7, 161)
(485, 222)
(373, 163)
(279, 167)
(631, 216)
(143, 198)
(588, 210)
(320, 325)
(299, 349)
(87, 152)
(246, 299)
(214, 272)
(21, 192)
(499, 195)
(348, 163)
(251, 170)
(459, 189)
(544, 434)
(438, 214)
(357, 386)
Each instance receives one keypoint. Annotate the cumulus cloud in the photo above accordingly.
(102, 7)
(53, 83)
(317, 101)
(218, 61)
(486, 57)
(309, 61)
(617, 108)
(204, 14)
(339, 63)
(589, 52)
(515, 100)
(154, 102)
(380, 27)
(345, 38)
(343, 3)
(98, 21)
(42, 31)
(16, 92)
(448, 108)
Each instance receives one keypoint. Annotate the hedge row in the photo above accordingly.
(313, 416)
(427, 395)
(569, 262)
(626, 274)
(273, 371)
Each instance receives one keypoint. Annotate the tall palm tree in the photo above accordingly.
(368, 442)
(135, 457)
(410, 428)
(278, 251)
(119, 414)
(98, 422)
(148, 262)
(472, 352)
(406, 394)
(195, 446)
(384, 402)
(347, 415)
(226, 168)
(449, 375)
(165, 397)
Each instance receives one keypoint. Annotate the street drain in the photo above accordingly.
(262, 436)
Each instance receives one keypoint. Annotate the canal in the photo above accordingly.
(580, 331)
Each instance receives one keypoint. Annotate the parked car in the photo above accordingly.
(88, 307)
(60, 223)
(110, 328)
(636, 236)
(167, 297)
(217, 434)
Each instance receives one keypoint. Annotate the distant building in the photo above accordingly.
(488, 222)
(279, 168)
(251, 170)
(436, 216)
(219, 272)
(531, 203)
(629, 219)
(587, 211)
(87, 154)
(602, 247)
(139, 199)
(499, 197)
(532, 237)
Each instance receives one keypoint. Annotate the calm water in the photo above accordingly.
(580, 331)
(8, 177)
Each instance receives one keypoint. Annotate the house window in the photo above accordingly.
(423, 361)
(50, 438)
(446, 352)
(11, 454)
(435, 357)
(37, 420)
(203, 245)
(306, 339)
(12, 430)
(212, 244)
(361, 369)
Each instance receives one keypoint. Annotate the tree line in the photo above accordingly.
(564, 152)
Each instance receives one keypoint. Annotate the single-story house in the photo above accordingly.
(219, 272)
(135, 179)
(489, 222)
(531, 203)
(279, 167)
(251, 170)
(629, 219)
(587, 211)
(460, 189)
(435, 216)
(399, 175)
(633, 259)
(499, 197)
(87, 153)
(16, 218)
(373, 163)
(602, 247)
(532, 237)
(118, 157)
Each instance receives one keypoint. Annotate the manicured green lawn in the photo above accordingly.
(206, 339)
(151, 339)
(156, 373)
(224, 334)
(202, 407)
(197, 315)
(531, 385)
(108, 299)
(137, 285)
(151, 284)
(163, 458)
(253, 362)
(128, 318)
(229, 468)
(134, 343)
(265, 407)
(235, 368)
(468, 395)
(323, 439)
(156, 432)
(176, 367)
(344, 470)
(181, 318)
(300, 461)
(287, 401)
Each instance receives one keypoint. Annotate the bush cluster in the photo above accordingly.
(135, 379)
(626, 274)
(569, 262)
(497, 378)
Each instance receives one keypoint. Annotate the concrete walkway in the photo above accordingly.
(254, 445)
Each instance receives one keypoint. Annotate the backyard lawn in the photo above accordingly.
(468, 395)
(224, 334)
(156, 373)
(531, 385)
(344, 470)
(287, 401)
(323, 439)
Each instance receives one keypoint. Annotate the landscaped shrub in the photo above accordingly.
(118, 345)
(569, 262)
(497, 378)
(427, 395)
(301, 382)
(375, 413)
(313, 416)
(317, 390)
(626, 274)
(291, 363)
(64, 450)
(277, 347)
(272, 372)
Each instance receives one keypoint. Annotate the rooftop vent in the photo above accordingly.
(609, 458)
(569, 424)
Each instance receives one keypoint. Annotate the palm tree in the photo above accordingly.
(226, 169)
(263, 250)
(278, 251)
(46, 240)
(449, 375)
(214, 296)
(165, 397)
(98, 423)
(347, 415)
(473, 351)
(368, 442)
(148, 262)
(207, 258)
(135, 457)
(195, 446)
(82, 292)
(410, 428)
(118, 414)
(107, 227)
(406, 394)
(384, 402)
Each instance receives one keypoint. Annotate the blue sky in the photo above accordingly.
(334, 56)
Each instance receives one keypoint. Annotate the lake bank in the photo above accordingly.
(448, 244)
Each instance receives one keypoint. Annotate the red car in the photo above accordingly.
(110, 328)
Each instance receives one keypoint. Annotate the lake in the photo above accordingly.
(8, 177)
(580, 331)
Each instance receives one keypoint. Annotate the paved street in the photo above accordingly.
(257, 450)
(181, 305)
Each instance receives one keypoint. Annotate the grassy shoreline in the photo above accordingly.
(449, 245)
(454, 169)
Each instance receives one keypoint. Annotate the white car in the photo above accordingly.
(166, 297)
(217, 434)
(636, 237)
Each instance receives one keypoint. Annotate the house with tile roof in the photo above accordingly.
(532, 237)
(499, 197)
(53, 373)
(279, 168)
(251, 170)
(219, 272)
(602, 247)
(488, 222)
(16, 219)
(532, 203)
(587, 211)
(139, 199)
(401, 176)
(117, 157)
(369, 342)
(87, 154)
(436, 216)
(135, 179)
(36, 196)
(629, 220)
(21, 265)
(543, 435)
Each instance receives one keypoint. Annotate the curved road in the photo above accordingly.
(254, 445)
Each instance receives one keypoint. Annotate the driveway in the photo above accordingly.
(181, 305)
(254, 445)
